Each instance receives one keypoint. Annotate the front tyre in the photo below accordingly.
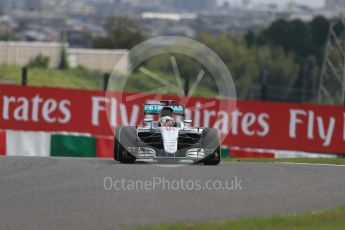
(213, 159)
(211, 140)
(125, 137)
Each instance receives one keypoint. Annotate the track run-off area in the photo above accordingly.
(75, 193)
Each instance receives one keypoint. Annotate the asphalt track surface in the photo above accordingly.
(69, 193)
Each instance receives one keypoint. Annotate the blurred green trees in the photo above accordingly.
(248, 66)
(306, 42)
(40, 61)
(122, 33)
(286, 57)
(304, 39)
(63, 64)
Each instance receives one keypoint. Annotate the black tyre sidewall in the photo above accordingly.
(127, 137)
(211, 140)
(116, 144)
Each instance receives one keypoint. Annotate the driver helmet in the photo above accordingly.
(166, 111)
(167, 121)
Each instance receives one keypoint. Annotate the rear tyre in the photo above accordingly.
(211, 140)
(125, 137)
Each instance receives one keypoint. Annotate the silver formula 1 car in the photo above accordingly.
(169, 138)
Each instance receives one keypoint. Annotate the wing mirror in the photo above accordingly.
(149, 121)
(189, 122)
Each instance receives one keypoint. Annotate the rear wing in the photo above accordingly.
(152, 109)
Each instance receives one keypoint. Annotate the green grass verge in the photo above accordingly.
(81, 78)
(335, 161)
(331, 219)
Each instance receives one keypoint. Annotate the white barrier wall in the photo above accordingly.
(27, 143)
(296, 154)
(20, 53)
